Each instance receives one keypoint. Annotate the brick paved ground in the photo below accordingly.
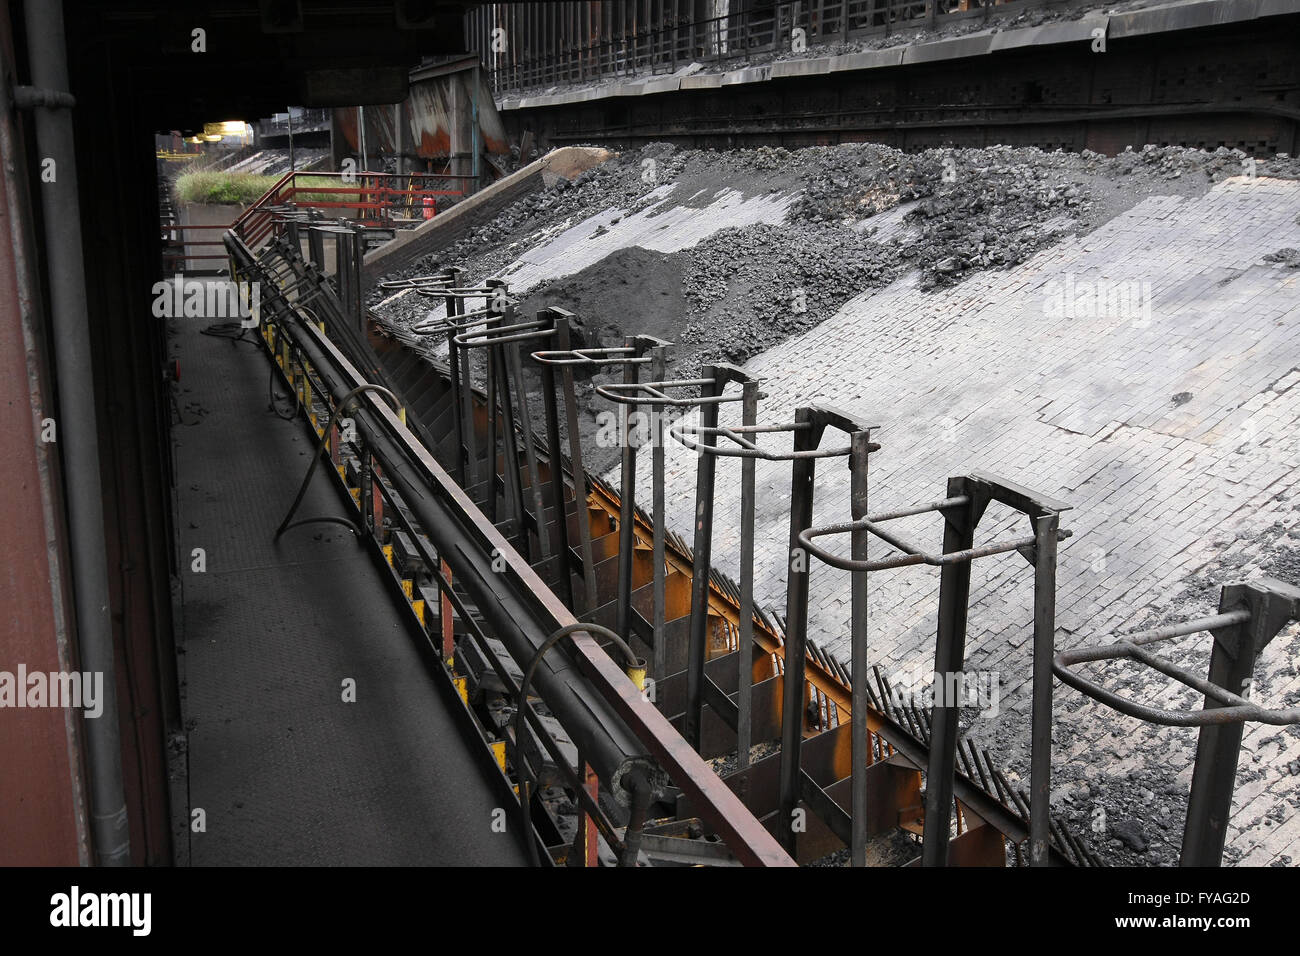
(1171, 430)
(1172, 434)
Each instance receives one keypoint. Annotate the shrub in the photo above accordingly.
(216, 187)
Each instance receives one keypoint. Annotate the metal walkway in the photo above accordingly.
(286, 771)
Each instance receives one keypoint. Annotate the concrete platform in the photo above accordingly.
(285, 770)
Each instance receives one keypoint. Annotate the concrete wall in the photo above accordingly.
(205, 242)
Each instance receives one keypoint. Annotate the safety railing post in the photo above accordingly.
(859, 661)
(745, 642)
(949, 662)
(1218, 748)
(803, 474)
(1040, 756)
(659, 652)
(627, 499)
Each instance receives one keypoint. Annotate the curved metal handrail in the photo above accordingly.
(618, 355)
(748, 449)
(912, 554)
(1236, 709)
(653, 393)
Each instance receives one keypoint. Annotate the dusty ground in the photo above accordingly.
(860, 216)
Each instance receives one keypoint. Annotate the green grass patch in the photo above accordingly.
(215, 187)
(246, 188)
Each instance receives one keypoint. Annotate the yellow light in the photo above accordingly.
(227, 128)
(210, 138)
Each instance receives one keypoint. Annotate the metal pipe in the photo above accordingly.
(515, 364)
(949, 659)
(802, 478)
(658, 366)
(563, 320)
(858, 471)
(563, 568)
(627, 507)
(79, 441)
(642, 791)
(462, 393)
(745, 642)
(641, 798)
(697, 648)
(1040, 759)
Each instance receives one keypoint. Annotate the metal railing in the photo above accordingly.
(382, 200)
(548, 43)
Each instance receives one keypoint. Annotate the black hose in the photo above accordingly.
(234, 331)
(525, 785)
(285, 525)
(271, 402)
(641, 794)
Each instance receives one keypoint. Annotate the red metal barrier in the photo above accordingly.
(376, 199)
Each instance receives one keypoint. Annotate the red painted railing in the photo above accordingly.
(382, 200)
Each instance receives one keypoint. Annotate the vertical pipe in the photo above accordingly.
(1040, 756)
(580, 494)
(745, 644)
(513, 484)
(491, 471)
(700, 564)
(627, 503)
(361, 136)
(563, 573)
(357, 249)
(473, 128)
(658, 373)
(949, 659)
(530, 451)
(860, 447)
(468, 433)
(802, 479)
(461, 391)
(399, 144)
(79, 441)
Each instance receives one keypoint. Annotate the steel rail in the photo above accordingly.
(523, 610)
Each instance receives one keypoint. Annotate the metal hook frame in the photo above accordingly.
(1250, 616)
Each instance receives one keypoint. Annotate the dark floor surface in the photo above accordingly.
(286, 771)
